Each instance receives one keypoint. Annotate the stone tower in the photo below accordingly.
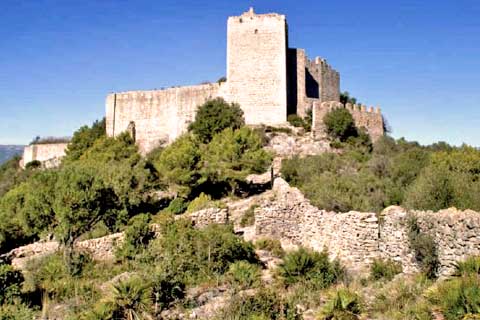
(257, 66)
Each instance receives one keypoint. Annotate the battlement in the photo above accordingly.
(369, 118)
(250, 15)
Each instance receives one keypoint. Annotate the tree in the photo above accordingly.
(346, 98)
(83, 139)
(82, 199)
(232, 155)
(340, 124)
(214, 116)
(26, 211)
(178, 164)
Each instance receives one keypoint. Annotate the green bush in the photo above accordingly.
(340, 125)
(244, 275)
(177, 206)
(137, 236)
(214, 116)
(203, 201)
(471, 266)
(198, 255)
(384, 269)
(402, 299)
(264, 305)
(248, 218)
(311, 267)
(424, 248)
(298, 121)
(166, 288)
(17, 311)
(343, 304)
(10, 283)
(83, 139)
(458, 297)
(272, 245)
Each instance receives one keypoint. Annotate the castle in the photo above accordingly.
(267, 78)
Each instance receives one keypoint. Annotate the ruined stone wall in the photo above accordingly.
(371, 119)
(257, 66)
(159, 116)
(45, 153)
(356, 238)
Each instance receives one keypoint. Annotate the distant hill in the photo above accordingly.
(8, 151)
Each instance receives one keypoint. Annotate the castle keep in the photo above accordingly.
(267, 78)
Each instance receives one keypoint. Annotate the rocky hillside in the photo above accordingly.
(8, 151)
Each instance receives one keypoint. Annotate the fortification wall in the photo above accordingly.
(257, 66)
(371, 119)
(48, 154)
(310, 81)
(356, 238)
(158, 116)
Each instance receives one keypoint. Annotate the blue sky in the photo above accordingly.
(418, 60)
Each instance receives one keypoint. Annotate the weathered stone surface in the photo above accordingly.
(209, 216)
(50, 155)
(370, 119)
(356, 238)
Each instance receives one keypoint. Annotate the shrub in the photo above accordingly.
(458, 297)
(17, 311)
(214, 116)
(424, 248)
(272, 245)
(343, 304)
(384, 269)
(339, 124)
(177, 206)
(402, 299)
(471, 266)
(244, 275)
(130, 299)
(137, 236)
(203, 201)
(166, 288)
(309, 266)
(83, 139)
(198, 254)
(296, 121)
(10, 283)
(248, 218)
(264, 305)
(35, 164)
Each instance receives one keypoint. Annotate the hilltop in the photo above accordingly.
(9, 151)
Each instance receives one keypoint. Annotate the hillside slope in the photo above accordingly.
(8, 151)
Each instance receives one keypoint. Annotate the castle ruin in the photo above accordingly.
(267, 78)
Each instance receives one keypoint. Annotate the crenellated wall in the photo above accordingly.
(49, 154)
(356, 238)
(310, 81)
(368, 118)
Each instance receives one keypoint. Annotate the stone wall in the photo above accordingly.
(310, 81)
(49, 154)
(158, 116)
(256, 66)
(371, 119)
(356, 238)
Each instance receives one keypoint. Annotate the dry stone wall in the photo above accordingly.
(356, 238)
(49, 154)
